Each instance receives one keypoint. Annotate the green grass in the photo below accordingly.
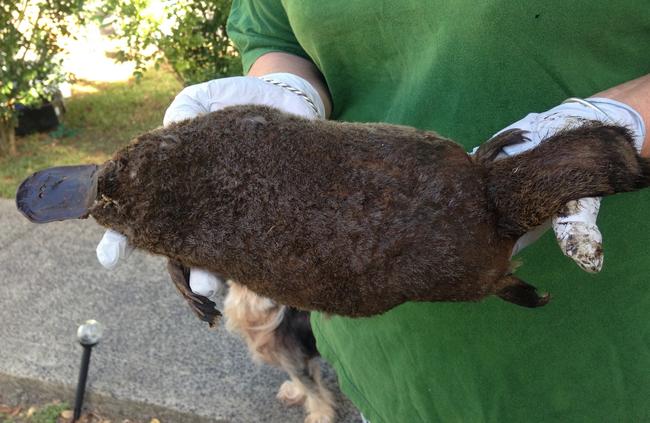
(100, 118)
(48, 414)
(45, 414)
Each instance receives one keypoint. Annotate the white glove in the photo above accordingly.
(112, 247)
(287, 92)
(575, 228)
(284, 91)
(205, 283)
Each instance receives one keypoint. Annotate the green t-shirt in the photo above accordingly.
(467, 69)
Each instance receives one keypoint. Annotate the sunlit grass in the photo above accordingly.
(100, 118)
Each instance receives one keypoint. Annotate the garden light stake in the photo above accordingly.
(88, 335)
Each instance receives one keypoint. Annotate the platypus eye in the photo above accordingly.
(121, 164)
(253, 122)
(169, 140)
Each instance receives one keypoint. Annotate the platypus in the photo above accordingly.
(346, 218)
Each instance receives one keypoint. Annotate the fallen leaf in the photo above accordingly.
(66, 414)
(31, 411)
(10, 411)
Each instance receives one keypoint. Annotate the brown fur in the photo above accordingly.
(282, 337)
(350, 219)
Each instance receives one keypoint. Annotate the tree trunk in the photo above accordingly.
(7, 138)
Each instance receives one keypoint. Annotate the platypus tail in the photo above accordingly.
(589, 161)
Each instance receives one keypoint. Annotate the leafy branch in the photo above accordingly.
(189, 35)
(29, 65)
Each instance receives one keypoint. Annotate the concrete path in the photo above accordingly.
(154, 350)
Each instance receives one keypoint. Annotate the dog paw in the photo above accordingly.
(290, 394)
(319, 418)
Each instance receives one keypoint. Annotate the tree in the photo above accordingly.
(189, 35)
(29, 66)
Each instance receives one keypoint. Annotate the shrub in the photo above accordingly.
(29, 67)
(189, 35)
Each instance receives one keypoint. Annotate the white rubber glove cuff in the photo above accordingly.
(624, 115)
(300, 87)
(220, 93)
(113, 247)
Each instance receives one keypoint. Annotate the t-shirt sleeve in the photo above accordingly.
(259, 27)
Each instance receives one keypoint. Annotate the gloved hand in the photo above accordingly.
(284, 91)
(575, 227)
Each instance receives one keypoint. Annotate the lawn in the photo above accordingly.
(100, 118)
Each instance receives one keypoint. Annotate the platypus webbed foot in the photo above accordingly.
(519, 292)
(204, 308)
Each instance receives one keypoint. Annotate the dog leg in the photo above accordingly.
(291, 393)
(319, 403)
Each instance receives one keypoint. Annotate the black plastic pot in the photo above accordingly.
(40, 119)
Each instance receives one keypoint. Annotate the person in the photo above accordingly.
(468, 70)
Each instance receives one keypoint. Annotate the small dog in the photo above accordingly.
(277, 335)
(281, 336)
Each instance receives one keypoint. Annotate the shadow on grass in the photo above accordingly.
(100, 118)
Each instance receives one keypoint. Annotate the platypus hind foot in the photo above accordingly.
(519, 292)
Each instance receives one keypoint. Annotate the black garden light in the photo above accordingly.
(88, 335)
